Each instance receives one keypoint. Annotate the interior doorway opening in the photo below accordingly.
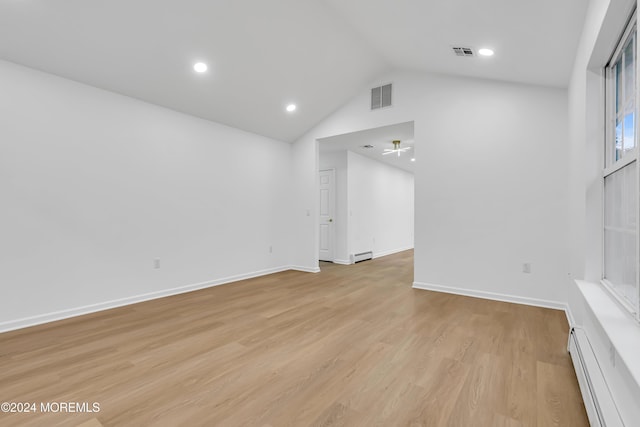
(366, 191)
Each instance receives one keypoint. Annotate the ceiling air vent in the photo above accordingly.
(381, 97)
(463, 51)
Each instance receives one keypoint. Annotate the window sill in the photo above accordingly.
(622, 302)
(621, 328)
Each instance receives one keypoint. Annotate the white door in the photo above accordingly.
(327, 208)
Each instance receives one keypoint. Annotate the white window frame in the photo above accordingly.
(612, 166)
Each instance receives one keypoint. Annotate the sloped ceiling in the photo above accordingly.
(534, 41)
(263, 55)
(379, 139)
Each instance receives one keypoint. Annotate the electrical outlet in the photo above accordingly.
(526, 267)
(156, 263)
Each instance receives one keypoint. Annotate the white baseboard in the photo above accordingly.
(570, 319)
(491, 295)
(374, 255)
(305, 269)
(391, 252)
(92, 308)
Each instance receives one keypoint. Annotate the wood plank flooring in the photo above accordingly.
(350, 346)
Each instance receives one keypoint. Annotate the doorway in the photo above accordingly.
(370, 204)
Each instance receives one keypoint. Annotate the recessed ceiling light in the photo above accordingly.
(291, 108)
(413, 160)
(200, 67)
(485, 52)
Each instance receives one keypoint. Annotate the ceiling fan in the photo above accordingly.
(396, 148)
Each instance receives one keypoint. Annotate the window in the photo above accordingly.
(621, 177)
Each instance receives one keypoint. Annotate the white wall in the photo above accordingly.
(586, 158)
(337, 160)
(380, 207)
(490, 190)
(604, 23)
(304, 214)
(491, 195)
(95, 186)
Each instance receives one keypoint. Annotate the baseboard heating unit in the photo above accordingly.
(601, 409)
(362, 256)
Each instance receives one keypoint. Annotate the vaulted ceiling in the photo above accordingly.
(372, 143)
(263, 55)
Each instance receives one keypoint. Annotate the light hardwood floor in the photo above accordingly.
(352, 345)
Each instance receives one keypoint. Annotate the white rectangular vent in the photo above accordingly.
(362, 256)
(381, 97)
(463, 51)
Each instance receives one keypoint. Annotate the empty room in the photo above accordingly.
(319, 213)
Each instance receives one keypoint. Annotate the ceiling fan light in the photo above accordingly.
(396, 148)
